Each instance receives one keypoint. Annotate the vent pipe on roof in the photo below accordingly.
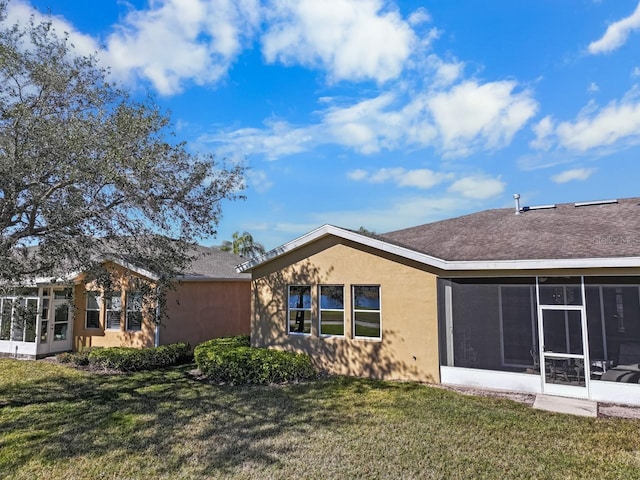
(516, 197)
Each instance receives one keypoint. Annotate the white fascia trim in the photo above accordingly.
(425, 259)
(200, 278)
(129, 266)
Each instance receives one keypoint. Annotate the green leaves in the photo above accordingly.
(233, 360)
(84, 168)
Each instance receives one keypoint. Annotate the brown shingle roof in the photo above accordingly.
(567, 231)
(216, 264)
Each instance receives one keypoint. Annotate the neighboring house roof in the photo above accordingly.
(213, 263)
(565, 236)
(210, 263)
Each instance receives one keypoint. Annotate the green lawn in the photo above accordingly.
(56, 422)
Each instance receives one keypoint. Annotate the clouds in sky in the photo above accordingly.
(349, 40)
(613, 126)
(616, 34)
(574, 174)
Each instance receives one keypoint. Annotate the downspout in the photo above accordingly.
(157, 319)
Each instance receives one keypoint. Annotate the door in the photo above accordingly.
(563, 351)
(56, 325)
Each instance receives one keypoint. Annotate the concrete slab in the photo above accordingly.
(572, 406)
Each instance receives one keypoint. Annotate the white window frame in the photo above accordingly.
(98, 298)
(108, 310)
(132, 301)
(299, 309)
(355, 310)
(320, 310)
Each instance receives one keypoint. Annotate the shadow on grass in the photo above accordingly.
(162, 414)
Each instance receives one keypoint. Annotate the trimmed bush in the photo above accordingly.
(79, 358)
(132, 359)
(128, 359)
(231, 359)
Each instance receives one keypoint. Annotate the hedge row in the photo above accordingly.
(128, 359)
(233, 360)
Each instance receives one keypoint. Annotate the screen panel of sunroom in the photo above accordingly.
(492, 325)
(613, 319)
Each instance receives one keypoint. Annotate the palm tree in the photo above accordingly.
(243, 244)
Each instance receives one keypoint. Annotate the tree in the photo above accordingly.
(243, 244)
(85, 170)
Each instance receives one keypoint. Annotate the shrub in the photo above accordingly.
(232, 360)
(132, 359)
(79, 358)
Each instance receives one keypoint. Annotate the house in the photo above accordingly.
(210, 299)
(534, 299)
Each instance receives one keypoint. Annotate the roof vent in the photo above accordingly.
(596, 202)
(516, 197)
(539, 207)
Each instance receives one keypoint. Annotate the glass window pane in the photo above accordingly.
(332, 297)
(44, 332)
(32, 317)
(60, 331)
(367, 324)
(93, 319)
(332, 323)
(134, 321)
(5, 318)
(113, 320)
(366, 297)
(62, 313)
(92, 301)
(62, 294)
(300, 296)
(300, 321)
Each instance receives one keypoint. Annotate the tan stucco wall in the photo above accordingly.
(199, 311)
(408, 349)
(103, 337)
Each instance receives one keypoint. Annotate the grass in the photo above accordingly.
(57, 422)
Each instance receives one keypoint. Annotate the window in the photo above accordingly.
(113, 309)
(366, 311)
(18, 317)
(331, 310)
(134, 311)
(300, 309)
(92, 319)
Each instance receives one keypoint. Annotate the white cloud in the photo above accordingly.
(181, 40)
(358, 174)
(594, 128)
(467, 118)
(351, 40)
(486, 115)
(422, 178)
(544, 130)
(276, 140)
(617, 34)
(635, 72)
(445, 73)
(19, 12)
(478, 187)
(593, 87)
(421, 15)
(575, 174)
(259, 180)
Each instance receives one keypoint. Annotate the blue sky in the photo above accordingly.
(383, 114)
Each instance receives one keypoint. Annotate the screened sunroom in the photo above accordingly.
(573, 336)
(35, 321)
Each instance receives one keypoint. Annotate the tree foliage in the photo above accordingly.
(243, 244)
(87, 170)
